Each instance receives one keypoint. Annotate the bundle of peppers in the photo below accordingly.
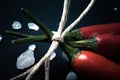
(99, 46)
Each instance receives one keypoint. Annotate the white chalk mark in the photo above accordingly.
(71, 76)
(32, 47)
(26, 59)
(0, 38)
(16, 25)
(53, 56)
(33, 26)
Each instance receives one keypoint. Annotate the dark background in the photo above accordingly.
(49, 12)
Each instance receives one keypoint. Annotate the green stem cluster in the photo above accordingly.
(30, 38)
(69, 50)
(73, 35)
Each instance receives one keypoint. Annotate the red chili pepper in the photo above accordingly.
(107, 45)
(91, 31)
(92, 65)
(96, 66)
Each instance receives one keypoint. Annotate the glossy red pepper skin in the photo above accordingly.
(96, 66)
(91, 64)
(108, 45)
(91, 31)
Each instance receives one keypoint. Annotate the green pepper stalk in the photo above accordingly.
(85, 44)
(73, 35)
(36, 21)
(70, 51)
(21, 35)
(41, 38)
(25, 38)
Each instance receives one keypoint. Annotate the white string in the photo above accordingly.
(63, 21)
(52, 48)
(64, 16)
(79, 18)
(57, 35)
(47, 68)
(61, 26)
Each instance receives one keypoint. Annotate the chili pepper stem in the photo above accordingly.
(70, 51)
(25, 38)
(17, 34)
(72, 35)
(36, 21)
(88, 43)
(41, 38)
